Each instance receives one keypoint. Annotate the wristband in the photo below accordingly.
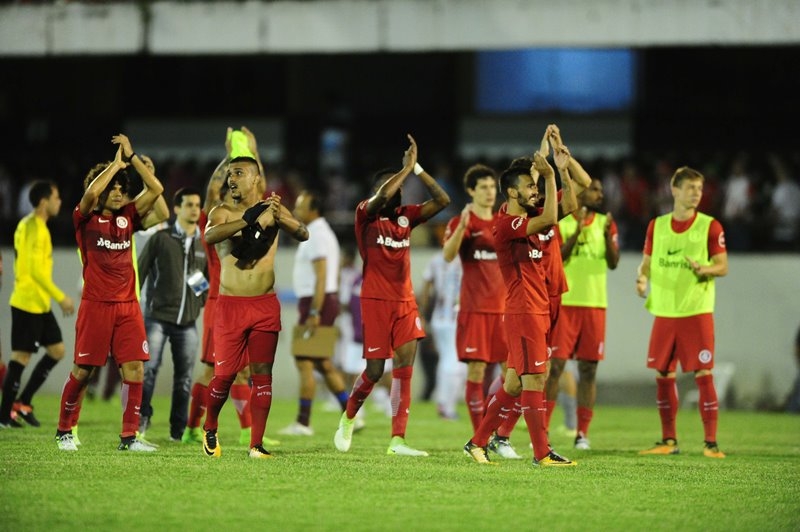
(418, 169)
(128, 159)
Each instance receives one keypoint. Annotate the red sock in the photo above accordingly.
(260, 403)
(240, 395)
(131, 401)
(401, 399)
(361, 390)
(77, 413)
(549, 406)
(507, 426)
(217, 395)
(475, 398)
(197, 408)
(667, 400)
(584, 418)
(70, 402)
(709, 407)
(2, 374)
(534, 411)
(500, 407)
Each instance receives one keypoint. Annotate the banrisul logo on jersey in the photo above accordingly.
(115, 246)
(482, 254)
(390, 242)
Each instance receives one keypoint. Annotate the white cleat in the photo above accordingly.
(503, 448)
(582, 443)
(66, 442)
(296, 429)
(344, 434)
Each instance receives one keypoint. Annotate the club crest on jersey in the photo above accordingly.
(122, 222)
(402, 221)
(516, 223)
(704, 356)
(145, 347)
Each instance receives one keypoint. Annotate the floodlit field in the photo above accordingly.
(308, 485)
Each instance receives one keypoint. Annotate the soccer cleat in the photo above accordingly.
(25, 412)
(477, 453)
(503, 448)
(667, 446)
(10, 424)
(192, 435)
(359, 424)
(140, 437)
(144, 424)
(75, 436)
(135, 445)
(553, 459)
(211, 445)
(711, 450)
(244, 439)
(582, 442)
(66, 442)
(259, 452)
(344, 434)
(399, 447)
(296, 429)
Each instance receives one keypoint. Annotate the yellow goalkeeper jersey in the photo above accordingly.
(33, 267)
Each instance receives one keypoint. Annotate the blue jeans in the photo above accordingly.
(184, 343)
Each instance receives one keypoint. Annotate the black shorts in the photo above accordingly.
(30, 331)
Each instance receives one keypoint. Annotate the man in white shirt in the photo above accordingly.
(316, 283)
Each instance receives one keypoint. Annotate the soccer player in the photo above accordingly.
(109, 317)
(316, 284)
(684, 252)
(589, 250)
(392, 324)
(527, 312)
(244, 233)
(172, 266)
(32, 321)
(480, 338)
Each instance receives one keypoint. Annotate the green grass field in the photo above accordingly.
(308, 485)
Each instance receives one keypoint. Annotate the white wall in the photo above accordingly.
(758, 312)
(388, 25)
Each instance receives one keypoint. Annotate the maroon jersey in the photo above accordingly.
(384, 244)
(212, 260)
(105, 245)
(520, 259)
(550, 242)
(482, 288)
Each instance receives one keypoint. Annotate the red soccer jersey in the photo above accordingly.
(716, 235)
(553, 263)
(520, 259)
(384, 245)
(212, 259)
(482, 288)
(105, 245)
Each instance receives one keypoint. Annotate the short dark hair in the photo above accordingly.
(315, 200)
(684, 173)
(381, 174)
(40, 190)
(510, 176)
(245, 159)
(475, 173)
(177, 198)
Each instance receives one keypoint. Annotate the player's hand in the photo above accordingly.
(609, 221)
(410, 155)
(561, 156)
(270, 216)
(555, 136)
(465, 215)
(544, 145)
(541, 166)
(641, 285)
(580, 216)
(252, 214)
(67, 306)
(125, 144)
(312, 322)
(118, 158)
(696, 268)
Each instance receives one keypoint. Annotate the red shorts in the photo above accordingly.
(481, 337)
(245, 331)
(207, 353)
(388, 325)
(689, 341)
(106, 327)
(527, 345)
(580, 332)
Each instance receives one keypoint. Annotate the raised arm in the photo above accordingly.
(569, 201)
(152, 186)
(99, 184)
(453, 243)
(392, 185)
(285, 219)
(549, 215)
(580, 176)
(157, 214)
(439, 198)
